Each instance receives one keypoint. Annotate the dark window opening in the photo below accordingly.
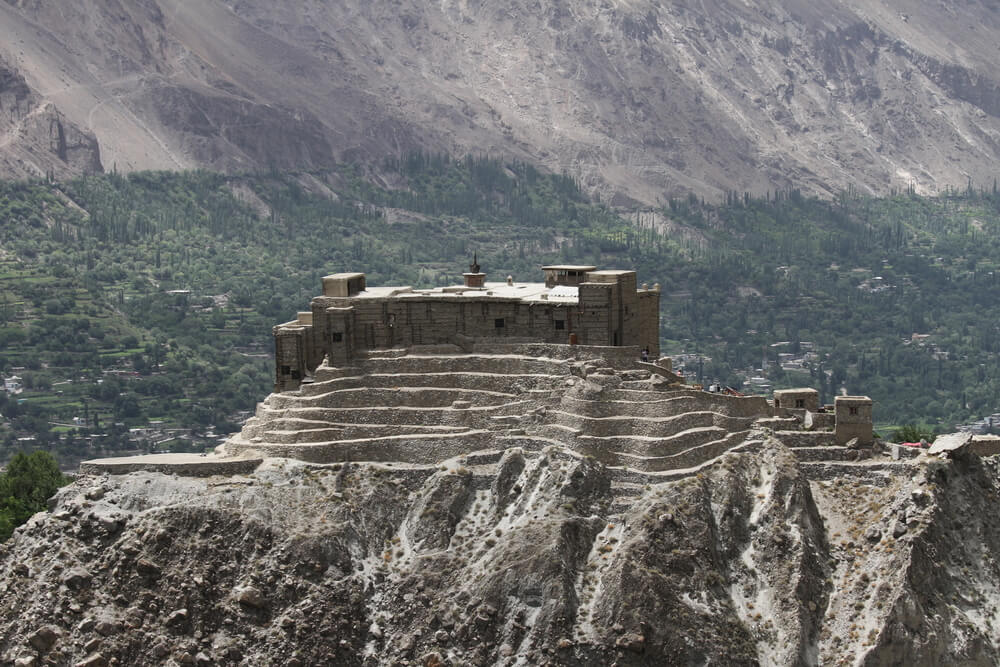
(777, 402)
(498, 323)
(800, 402)
(560, 324)
(285, 370)
(338, 337)
(853, 411)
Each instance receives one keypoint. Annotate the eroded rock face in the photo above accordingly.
(36, 138)
(540, 557)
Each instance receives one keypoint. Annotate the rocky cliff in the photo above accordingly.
(535, 558)
(36, 139)
(638, 99)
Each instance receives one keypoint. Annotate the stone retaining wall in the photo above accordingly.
(410, 448)
(187, 465)
(806, 438)
(668, 446)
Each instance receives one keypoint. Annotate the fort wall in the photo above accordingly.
(575, 305)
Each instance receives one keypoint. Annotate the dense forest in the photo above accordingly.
(136, 310)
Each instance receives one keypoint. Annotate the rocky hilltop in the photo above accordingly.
(638, 99)
(728, 537)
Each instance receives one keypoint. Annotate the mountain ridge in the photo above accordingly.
(636, 100)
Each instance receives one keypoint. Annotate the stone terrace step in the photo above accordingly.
(467, 363)
(279, 435)
(257, 427)
(831, 453)
(500, 382)
(401, 414)
(663, 407)
(294, 424)
(797, 439)
(411, 448)
(360, 397)
(661, 427)
(874, 471)
(690, 458)
(529, 443)
(642, 445)
(639, 395)
(624, 474)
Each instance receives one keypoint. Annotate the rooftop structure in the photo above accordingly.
(574, 305)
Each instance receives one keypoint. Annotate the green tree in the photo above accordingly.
(25, 488)
(912, 433)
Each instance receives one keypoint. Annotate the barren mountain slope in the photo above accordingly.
(35, 138)
(532, 560)
(637, 97)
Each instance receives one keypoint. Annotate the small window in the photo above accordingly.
(560, 324)
(800, 402)
(853, 411)
(338, 336)
(498, 323)
(285, 370)
(777, 402)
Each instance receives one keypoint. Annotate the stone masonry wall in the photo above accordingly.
(609, 312)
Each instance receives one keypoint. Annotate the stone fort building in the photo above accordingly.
(574, 304)
(421, 376)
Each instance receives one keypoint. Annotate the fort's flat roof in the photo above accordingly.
(612, 272)
(498, 290)
(380, 292)
(568, 267)
(494, 290)
(343, 276)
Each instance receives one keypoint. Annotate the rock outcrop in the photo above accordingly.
(511, 508)
(524, 557)
(36, 138)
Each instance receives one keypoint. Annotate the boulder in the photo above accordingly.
(44, 637)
